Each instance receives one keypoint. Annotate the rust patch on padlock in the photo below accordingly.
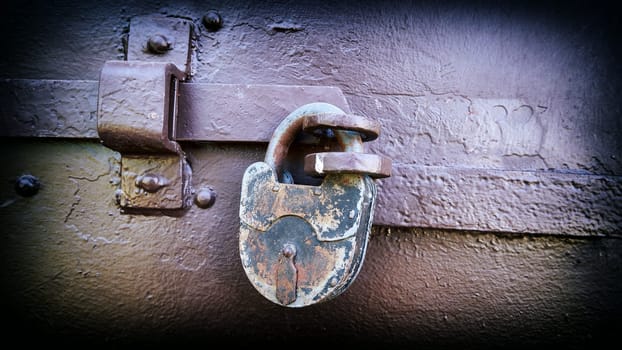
(324, 268)
(328, 207)
(315, 264)
(301, 244)
(286, 275)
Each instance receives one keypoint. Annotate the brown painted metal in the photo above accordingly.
(244, 112)
(156, 38)
(501, 117)
(206, 112)
(137, 109)
(349, 133)
(137, 106)
(48, 108)
(76, 269)
(137, 114)
(33, 108)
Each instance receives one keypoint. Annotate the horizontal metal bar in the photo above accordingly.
(415, 196)
(48, 108)
(243, 113)
(207, 112)
(501, 201)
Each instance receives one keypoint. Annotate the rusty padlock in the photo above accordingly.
(303, 244)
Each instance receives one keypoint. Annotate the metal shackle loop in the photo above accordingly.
(286, 132)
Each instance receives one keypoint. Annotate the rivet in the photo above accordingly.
(212, 21)
(151, 182)
(288, 250)
(351, 214)
(27, 185)
(276, 188)
(205, 197)
(333, 281)
(118, 195)
(158, 44)
(317, 191)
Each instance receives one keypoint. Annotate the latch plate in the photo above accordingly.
(156, 182)
(175, 31)
(137, 114)
(137, 109)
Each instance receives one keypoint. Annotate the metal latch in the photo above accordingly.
(137, 112)
(302, 244)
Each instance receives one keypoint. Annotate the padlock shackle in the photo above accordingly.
(286, 132)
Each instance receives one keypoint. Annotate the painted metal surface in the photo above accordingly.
(136, 113)
(300, 244)
(76, 270)
(156, 38)
(137, 106)
(68, 109)
(560, 202)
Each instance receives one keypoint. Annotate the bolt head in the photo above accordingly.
(151, 182)
(158, 44)
(205, 198)
(288, 250)
(27, 185)
(212, 21)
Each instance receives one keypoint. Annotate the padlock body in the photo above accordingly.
(326, 228)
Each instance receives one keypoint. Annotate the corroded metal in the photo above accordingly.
(350, 131)
(301, 244)
(154, 182)
(367, 128)
(151, 182)
(286, 275)
(320, 164)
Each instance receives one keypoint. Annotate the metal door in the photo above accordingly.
(500, 224)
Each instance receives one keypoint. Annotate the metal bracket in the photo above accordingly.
(137, 114)
(154, 38)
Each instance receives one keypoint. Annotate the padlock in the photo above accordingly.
(303, 244)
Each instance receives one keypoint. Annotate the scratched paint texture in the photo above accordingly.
(473, 85)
